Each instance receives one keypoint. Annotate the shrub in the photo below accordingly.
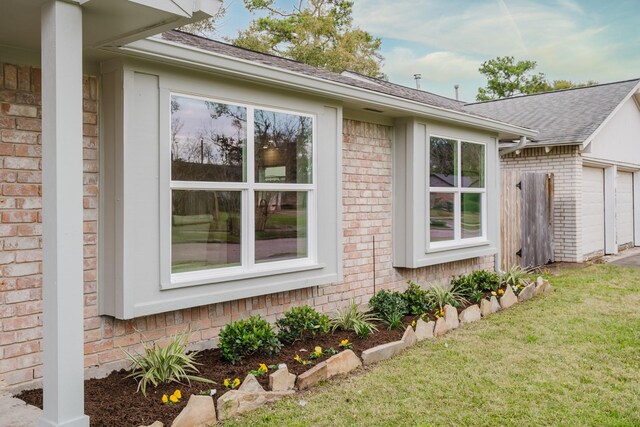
(244, 337)
(351, 318)
(440, 295)
(388, 305)
(464, 286)
(485, 281)
(416, 299)
(300, 321)
(162, 365)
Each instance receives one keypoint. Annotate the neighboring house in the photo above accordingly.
(589, 138)
(217, 183)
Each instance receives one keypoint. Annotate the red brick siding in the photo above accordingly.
(367, 211)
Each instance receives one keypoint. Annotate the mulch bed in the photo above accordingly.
(113, 401)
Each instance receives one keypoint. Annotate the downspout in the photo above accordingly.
(518, 146)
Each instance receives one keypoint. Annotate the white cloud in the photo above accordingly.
(566, 42)
(438, 67)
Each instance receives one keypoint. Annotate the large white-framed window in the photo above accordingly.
(457, 202)
(243, 190)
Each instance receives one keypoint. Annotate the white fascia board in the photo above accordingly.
(622, 166)
(595, 133)
(171, 52)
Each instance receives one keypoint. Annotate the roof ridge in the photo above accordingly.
(552, 91)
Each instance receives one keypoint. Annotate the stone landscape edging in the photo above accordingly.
(253, 396)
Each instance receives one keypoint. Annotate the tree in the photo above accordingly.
(206, 27)
(316, 32)
(506, 78)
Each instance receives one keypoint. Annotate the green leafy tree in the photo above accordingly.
(506, 78)
(316, 32)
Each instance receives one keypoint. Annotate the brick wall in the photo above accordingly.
(367, 212)
(566, 165)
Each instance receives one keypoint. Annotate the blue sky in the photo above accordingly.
(447, 40)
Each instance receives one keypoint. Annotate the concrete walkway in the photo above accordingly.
(15, 413)
(628, 258)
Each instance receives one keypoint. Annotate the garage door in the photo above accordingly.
(624, 208)
(592, 210)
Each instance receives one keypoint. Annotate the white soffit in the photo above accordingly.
(105, 22)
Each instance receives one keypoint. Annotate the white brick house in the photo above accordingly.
(589, 138)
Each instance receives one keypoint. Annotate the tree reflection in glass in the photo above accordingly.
(208, 141)
(472, 165)
(283, 147)
(280, 225)
(443, 162)
(205, 230)
(441, 217)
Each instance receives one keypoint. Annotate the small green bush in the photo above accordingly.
(416, 299)
(247, 336)
(162, 365)
(351, 318)
(485, 281)
(300, 321)
(515, 276)
(388, 305)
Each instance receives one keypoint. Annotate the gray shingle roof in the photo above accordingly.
(561, 117)
(363, 82)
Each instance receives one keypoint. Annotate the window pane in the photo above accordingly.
(472, 165)
(281, 225)
(443, 155)
(283, 147)
(208, 140)
(205, 230)
(441, 217)
(471, 215)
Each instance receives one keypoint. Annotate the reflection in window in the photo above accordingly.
(283, 147)
(471, 215)
(441, 217)
(443, 155)
(208, 140)
(472, 165)
(205, 230)
(280, 225)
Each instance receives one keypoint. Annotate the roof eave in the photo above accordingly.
(176, 53)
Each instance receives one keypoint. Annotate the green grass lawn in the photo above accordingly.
(571, 358)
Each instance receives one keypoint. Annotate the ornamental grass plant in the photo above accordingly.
(163, 365)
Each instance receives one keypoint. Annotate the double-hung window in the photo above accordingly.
(457, 192)
(242, 189)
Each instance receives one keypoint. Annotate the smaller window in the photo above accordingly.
(457, 194)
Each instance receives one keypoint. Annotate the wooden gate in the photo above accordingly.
(526, 224)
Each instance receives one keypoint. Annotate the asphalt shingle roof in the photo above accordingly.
(561, 117)
(362, 82)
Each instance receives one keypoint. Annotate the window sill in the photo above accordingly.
(183, 280)
(458, 245)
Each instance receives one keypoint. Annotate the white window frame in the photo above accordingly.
(458, 241)
(248, 268)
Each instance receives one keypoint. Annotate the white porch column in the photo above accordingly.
(610, 236)
(62, 264)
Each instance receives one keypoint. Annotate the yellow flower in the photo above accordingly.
(236, 383)
(318, 350)
(493, 293)
(413, 323)
(177, 394)
(297, 358)
(424, 315)
(165, 399)
(173, 399)
(263, 368)
(226, 382)
(344, 342)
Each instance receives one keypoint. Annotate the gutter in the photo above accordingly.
(188, 56)
(515, 147)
